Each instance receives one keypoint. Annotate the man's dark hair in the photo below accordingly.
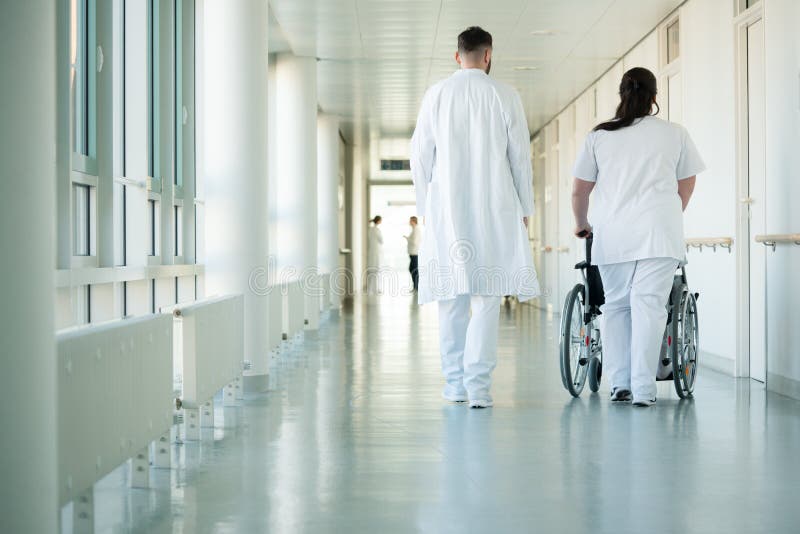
(474, 38)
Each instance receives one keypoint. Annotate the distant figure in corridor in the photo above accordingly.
(642, 171)
(471, 166)
(374, 245)
(413, 251)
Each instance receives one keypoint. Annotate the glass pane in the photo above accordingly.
(81, 302)
(152, 228)
(178, 231)
(81, 220)
(119, 224)
(152, 89)
(178, 92)
(750, 3)
(673, 41)
(79, 75)
(118, 67)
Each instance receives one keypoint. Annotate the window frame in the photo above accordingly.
(740, 6)
(178, 97)
(85, 162)
(663, 38)
(153, 96)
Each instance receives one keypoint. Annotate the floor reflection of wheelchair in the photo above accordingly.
(581, 348)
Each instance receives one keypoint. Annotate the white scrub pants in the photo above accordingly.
(634, 317)
(469, 344)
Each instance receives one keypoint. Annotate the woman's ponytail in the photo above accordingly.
(637, 92)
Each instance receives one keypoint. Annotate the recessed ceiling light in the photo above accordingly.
(524, 67)
(545, 33)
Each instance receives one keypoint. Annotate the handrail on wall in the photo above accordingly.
(773, 240)
(712, 242)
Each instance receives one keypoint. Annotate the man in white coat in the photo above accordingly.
(470, 161)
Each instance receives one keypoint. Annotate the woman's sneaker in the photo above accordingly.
(481, 403)
(454, 397)
(644, 403)
(620, 395)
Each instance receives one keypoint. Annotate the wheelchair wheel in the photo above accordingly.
(595, 372)
(685, 341)
(573, 333)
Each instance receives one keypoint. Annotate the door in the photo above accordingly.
(755, 197)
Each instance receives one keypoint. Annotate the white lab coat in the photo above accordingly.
(470, 162)
(374, 245)
(375, 242)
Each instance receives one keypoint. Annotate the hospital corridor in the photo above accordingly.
(399, 266)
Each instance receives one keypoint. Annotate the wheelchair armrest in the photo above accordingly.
(582, 265)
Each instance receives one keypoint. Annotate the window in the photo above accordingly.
(120, 222)
(178, 226)
(744, 5)
(124, 300)
(153, 228)
(178, 170)
(83, 199)
(395, 165)
(119, 208)
(152, 90)
(673, 41)
(82, 78)
(81, 304)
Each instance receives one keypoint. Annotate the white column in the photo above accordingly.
(28, 495)
(296, 99)
(328, 201)
(234, 162)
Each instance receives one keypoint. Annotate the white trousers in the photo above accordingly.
(469, 344)
(633, 321)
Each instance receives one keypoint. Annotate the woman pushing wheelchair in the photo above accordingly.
(641, 171)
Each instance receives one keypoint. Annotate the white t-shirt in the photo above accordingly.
(414, 239)
(635, 211)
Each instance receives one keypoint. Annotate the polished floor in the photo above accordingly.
(353, 437)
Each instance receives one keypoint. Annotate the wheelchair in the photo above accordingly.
(581, 348)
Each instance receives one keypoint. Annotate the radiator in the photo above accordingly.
(211, 347)
(293, 309)
(274, 327)
(115, 396)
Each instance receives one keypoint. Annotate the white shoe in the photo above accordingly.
(481, 403)
(454, 397)
(644, 403)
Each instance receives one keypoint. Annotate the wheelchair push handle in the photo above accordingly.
(589, 236)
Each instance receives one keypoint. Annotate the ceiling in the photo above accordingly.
(377, 57)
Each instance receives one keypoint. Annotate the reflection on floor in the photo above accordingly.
(353, 437)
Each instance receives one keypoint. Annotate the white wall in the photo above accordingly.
(782, 54)
(707, 61)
